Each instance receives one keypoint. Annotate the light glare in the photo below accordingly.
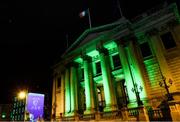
(22, 95)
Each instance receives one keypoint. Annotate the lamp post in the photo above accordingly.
(137, 92)
(22, 95)
(135, 88)
(166, 86)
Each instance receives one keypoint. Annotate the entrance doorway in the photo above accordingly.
(82, 101)
(122, 96)
(100, 98)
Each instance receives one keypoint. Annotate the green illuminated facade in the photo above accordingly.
(109, 67)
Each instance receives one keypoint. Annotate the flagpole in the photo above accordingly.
(119, 6)
(67, 41)
(89, 17)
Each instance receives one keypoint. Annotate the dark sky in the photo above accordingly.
(33, 36)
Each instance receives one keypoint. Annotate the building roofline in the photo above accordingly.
(171, 8)
(92, 30)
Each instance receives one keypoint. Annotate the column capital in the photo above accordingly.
(102, 50)
(125, 40)
(86, 58)
(128, 37)
(172, 23)
(55, 73)
(120, 42)
(72, 64)
(152, 32)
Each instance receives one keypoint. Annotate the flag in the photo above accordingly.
(86, 13)
(83, 13)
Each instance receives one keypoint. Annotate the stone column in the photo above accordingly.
(109, 92)
(54, 98)
(135, 68)
(62, 93)
(73, 88)
(126, 71)
(67, 93)
(89, 87)
(158, 52)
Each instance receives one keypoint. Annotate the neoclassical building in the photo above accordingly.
(122, 64)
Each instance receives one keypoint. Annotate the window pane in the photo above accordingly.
(145, 49)
(82, 74)
(168, 40)
(22, 117)
(19, 117)
(59, 82)
(116, 61)
(98, 68)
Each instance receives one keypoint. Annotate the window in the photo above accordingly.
(20, 103)
(16, 117)
(22, 117)
(19, 110)
(23, 103)
(116, 61)
(98, 68)
(145, 49)
(19, 117)
(168, 40)
(99, 94)
(15, 99)
(101, 102)
(17, 104)
(14, 111)
(59, 82)
(82, 74)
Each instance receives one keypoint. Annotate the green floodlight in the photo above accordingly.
(3, 116)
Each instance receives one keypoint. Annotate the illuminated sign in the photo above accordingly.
(35, 105)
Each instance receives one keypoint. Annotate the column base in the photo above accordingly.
(67, 114)
(124, 113)
(72, 116)
(143, 114)
(132, 104)
(110, 108)
(72, 113)
(97, 116)
(89, 111)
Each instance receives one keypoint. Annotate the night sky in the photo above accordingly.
(33, 37)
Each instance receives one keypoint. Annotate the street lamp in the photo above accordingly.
(22, 95)
(135, 88)
(166, 86)
(137, 92)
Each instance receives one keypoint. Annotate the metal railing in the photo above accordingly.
(68, 118)
(111, 115)
(133, 112)
(87, 117)
(155, 115)
(103, 116)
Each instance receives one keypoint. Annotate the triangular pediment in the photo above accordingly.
(94, 33)
(90, 37)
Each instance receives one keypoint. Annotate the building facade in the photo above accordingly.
(18, 109)
(120, 65)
